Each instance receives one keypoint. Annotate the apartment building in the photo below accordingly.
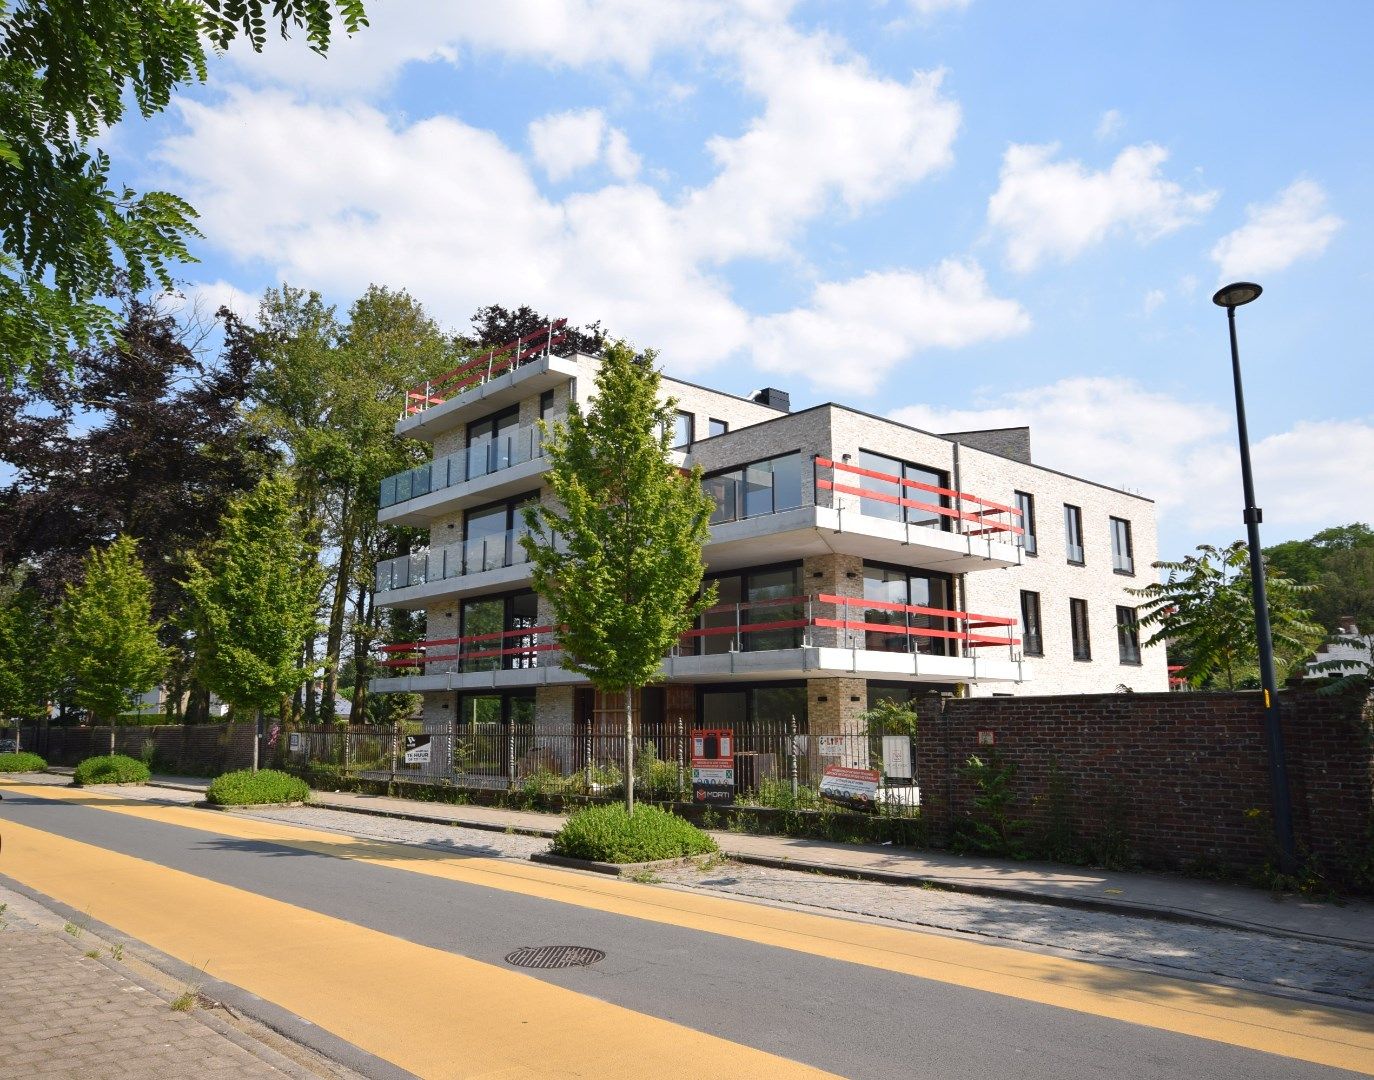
(855, 559)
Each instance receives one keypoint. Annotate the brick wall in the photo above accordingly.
(197, 747)
(1176, 773)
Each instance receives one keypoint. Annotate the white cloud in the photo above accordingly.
(1279, 233)
(1059, 209)
(564, 143)
(1182, 454)
(885, 318)
(1109, 125)
(830, 130)
(928, 8)
(1152, 300)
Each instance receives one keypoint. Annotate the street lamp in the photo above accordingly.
(1231, 297)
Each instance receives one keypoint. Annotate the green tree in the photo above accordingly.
(107, 642)
(69, 69)
(1205, 611)
(1339, 562)
(254, 600)
(27, 635)
(618, 552)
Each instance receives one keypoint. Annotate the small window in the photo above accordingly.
(545, 404)
(716, 427)
(684, 430)
(1078, 626)
(1031, 642)
(1128, 634)
(1123, 557)
(1026, 505)
(1073, 534)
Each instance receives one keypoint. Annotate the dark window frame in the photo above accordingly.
(945, 522)
(712, 423)
(1128, 635)
(545, 404)
(1073, 526)
(945, 646)
(679, 416)
(1122, 566)
(739, 498)
(744, 573)
(1027, 634)
(1028, 541)
(1082, 644)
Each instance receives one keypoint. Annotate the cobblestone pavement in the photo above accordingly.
(64, 1014)
(1193, 951)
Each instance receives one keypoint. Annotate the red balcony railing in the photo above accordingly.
(474, 647)
(496, 362)
(970, 515)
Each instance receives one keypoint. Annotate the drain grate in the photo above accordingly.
(554, 956)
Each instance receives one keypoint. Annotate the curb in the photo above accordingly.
(611, 869)
(888, 877)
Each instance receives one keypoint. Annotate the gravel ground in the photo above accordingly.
(1194, 951)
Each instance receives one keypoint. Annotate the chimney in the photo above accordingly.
(774, 399)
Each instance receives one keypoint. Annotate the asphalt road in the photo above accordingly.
(667, 960)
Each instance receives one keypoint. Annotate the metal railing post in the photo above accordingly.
(679, 757)
(792, 753)
(738, 647)
(510, 750)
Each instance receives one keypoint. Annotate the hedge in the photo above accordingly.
(111, 769)
(609, 834)
(248, 788)
(22, 761)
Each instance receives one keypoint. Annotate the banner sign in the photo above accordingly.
(417, 749)
(713, 765)
(831, 745)
(897, 756)
(853, 787)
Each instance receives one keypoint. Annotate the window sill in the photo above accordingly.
(1033, 655)
(1082, 659)
(1076, 562)
(1123, 573)
(1132, 663)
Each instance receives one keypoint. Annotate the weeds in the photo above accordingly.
(92, 954)
(185, 1001)
(117, 951)
(645, 877)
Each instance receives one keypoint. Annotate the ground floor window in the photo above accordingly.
(749, 597)
(492, 730)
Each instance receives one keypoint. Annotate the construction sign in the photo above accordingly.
(713, 766)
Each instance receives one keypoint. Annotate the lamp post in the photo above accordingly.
(1232, 297)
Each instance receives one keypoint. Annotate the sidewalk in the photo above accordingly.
(1159, 896)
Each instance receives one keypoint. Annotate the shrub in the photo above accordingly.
(608, 834)
(22, 761)
(111, 769)
(247, 788)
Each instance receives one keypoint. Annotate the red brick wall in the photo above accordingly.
(1176, 772)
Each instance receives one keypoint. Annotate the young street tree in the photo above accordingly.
(254, 601)
(618, 551)
(1205, 611)
(26, 642)
(68, 71)
(107, 645)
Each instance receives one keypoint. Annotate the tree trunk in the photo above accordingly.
(257, 731)
(338, 606)
(629, 750)
(363, 613)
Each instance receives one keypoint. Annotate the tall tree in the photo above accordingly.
(69, 70)
(618, 551)
(27, 636)
(254, 600)
(494, 325)
(1205, 611)
(107, 638)
(1339, 563)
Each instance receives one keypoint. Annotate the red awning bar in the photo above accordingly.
(980, 517)
(511, 355)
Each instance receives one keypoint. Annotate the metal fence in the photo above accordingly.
(776, 763)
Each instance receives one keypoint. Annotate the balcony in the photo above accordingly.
(481, 473)
(486, 564)
(778, 638)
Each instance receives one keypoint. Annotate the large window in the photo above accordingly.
(1073, 534)
(1128, 634)
(763, 594)
(920, 588)
(1032, 642)
(1123, 556)
(1078, 627)
(491, 534)
(764, 487)
(490, 617)
(490, 442)
(684, 430)
(1026, 504)
(904, 470)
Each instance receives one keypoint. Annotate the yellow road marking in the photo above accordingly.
(1253, 1021)
(429, 1011)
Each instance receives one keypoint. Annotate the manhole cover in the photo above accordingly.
(554, 956)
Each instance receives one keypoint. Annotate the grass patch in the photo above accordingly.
(111, 769)
(22, 761)
(247, 788)
(185, 1001)
(608, 834)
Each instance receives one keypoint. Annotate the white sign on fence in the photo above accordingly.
(897, 756)
(831, 745)
(295, 741)
(853, 786)
(417, 750)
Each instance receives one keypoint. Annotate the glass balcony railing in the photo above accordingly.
(470, 557)
(481, 459)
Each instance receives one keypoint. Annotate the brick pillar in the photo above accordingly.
(934, 767)
(831, 574)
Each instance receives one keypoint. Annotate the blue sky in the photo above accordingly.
(957, 213)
